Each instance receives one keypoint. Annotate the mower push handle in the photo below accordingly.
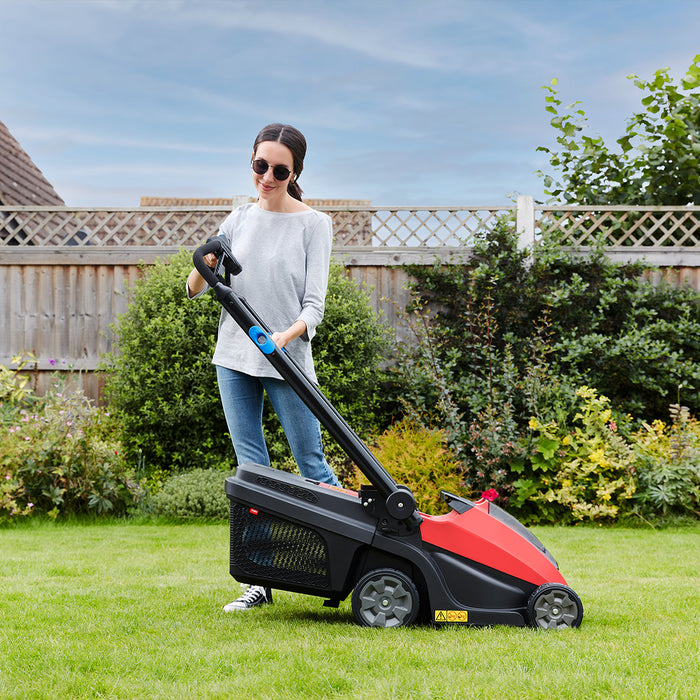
(400, 502)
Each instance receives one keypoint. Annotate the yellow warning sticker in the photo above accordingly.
(451, 615)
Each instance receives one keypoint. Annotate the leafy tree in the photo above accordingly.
(658, 160)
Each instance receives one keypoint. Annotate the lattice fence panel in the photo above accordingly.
(622, 226)
(367, 226)
(103, 227)
(394, 227)
(439, 226)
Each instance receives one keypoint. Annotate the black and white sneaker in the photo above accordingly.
(251, 598)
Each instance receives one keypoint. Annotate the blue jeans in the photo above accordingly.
(242, 399)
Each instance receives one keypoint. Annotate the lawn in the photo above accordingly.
(121, 610)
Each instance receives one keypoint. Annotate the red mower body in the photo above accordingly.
(480, 534)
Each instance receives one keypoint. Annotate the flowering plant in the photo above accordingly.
(580, 470)
(58, 454)
(667, 465)
(12, 505)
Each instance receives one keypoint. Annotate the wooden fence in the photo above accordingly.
(65, 272)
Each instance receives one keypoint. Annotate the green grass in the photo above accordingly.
(134, 611)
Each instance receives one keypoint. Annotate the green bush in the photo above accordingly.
(14, 386)
(667, 465)
(195, 494)
(503, 339)
(59, 455)
(162, 385)
(600, 324)
(419, 458)
(514, 337)
(593, 466)
(580, 470)
(160, 381)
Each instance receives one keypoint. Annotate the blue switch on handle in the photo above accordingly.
(262, 340)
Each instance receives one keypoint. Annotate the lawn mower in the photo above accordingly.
(476, 565)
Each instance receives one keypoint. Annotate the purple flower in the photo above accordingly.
(52, 362)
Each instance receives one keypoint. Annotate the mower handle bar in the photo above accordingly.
(399, 500)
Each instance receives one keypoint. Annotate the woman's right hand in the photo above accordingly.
(210, 260)
(195, 281)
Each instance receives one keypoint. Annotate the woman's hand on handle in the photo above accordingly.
(195, 281)
(282, 338)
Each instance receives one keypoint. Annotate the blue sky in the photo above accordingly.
(403, 102)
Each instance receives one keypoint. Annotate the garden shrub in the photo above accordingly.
(580, 470)
(604, 325)
(14, 386)
(641, 358)
(667, 465)
(505, 338)
(161, 383)
(481, 417)
(59, 455)
(419, 458)
(197, 494)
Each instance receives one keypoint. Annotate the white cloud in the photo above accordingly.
(71, 137)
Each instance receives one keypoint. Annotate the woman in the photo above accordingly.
(284, 248)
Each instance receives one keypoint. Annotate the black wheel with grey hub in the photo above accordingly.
(554, 606)
(385, 598)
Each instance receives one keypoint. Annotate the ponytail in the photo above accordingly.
(294, 189)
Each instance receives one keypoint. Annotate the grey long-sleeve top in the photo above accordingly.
(285, 259)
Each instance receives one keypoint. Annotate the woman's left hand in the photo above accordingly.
(279, 339)
(282, 338)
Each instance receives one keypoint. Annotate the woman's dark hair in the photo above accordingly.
(294, 140)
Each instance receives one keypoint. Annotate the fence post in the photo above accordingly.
(525, 222)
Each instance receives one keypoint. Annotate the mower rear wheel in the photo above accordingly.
(385, 598)
(554, 606)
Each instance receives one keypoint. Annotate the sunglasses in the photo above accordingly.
(281, 172)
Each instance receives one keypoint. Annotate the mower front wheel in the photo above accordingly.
(554, 606)
(385, 598)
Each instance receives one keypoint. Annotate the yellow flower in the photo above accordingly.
(598, 457)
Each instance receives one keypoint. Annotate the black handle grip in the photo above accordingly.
(220, 247)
